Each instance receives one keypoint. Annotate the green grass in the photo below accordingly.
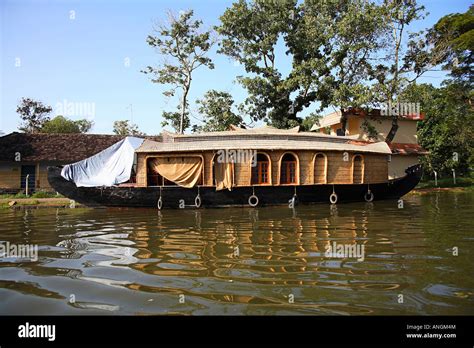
(448, 182)
(38, 194)
(43, 194)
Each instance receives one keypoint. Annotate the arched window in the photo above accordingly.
(357, 169)
(320, 168)
(261, 173)
(289, 169)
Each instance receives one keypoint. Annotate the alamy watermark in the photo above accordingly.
(237, 156)
(400, 109)
(345, 251)
(20, 251)
(78, 109)
(37, 331)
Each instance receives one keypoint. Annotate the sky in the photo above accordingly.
(84, 57)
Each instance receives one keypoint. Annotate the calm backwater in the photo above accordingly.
(244, 261)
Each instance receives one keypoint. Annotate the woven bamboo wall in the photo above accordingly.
(339, 171)
(376, 168)
(320, 169)
(306, 167)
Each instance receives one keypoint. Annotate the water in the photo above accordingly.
(244, 261)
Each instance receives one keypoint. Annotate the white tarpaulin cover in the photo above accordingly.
(109, 167)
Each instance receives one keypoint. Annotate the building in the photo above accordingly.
(405, 148)
(25, 155)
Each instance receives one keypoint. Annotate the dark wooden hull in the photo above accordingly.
(175, 196)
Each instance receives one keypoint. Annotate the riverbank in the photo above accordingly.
(36, 203)
(425, 190)
(446, 184)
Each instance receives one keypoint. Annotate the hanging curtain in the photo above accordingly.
(224, 176)
(183, 171)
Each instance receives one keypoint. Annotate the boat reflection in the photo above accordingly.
(236, 260)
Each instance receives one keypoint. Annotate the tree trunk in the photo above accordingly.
(343, 121)
(183, 112)
(183, 105)
(393, 131)
(394, 90)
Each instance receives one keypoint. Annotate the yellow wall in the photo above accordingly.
(353, 125)
(334, 128)
(406, 132)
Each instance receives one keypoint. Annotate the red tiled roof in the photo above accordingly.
(378, 113)
(407, 149)
(335, 117)
(360, 142)
(67, 148)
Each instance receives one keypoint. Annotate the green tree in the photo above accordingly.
(250, 34)
(61, 124)
(216, 108)
(448, 129)
(34, 114)
(334, 46)
(84, 125)
(125, 127)
(174, 118)
(404, 57)
(309, 121)
(185, 47)
(330, 43)
(453, 40)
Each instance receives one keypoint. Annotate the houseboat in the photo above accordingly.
(238, 167)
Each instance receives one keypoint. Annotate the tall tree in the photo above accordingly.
(34, 114)
(61, 124)
(329, 41)
(216, 109)
(404, 58)
(251, 31)
(176, 119)
(125, 127)
(448, 129)
(453, 39)
(334, 45)
(185, 47)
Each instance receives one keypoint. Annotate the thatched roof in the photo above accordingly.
(264, 138)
